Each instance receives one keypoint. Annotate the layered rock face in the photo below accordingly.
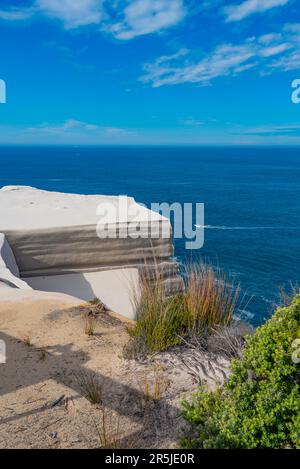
(53, 233)
(9, 272)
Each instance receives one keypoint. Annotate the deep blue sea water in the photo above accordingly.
(251, 196)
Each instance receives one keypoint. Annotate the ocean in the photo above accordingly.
(251, 197)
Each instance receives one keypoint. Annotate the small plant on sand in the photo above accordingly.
(153, 389)
(95, 301)
(98, 305)
(109, 434)
(259, 406)
(162, 322)
(90, 322)
(89, 386)
(108, 430)
(27, 341)
(42, 354)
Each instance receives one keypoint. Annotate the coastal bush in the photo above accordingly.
(259, 406)
(208, 300)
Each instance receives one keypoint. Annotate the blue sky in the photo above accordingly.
(150, 71)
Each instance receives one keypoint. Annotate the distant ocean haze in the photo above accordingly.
(251, 197)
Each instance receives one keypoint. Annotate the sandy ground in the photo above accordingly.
(49, 358)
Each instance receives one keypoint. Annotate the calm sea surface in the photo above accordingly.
(251, 196)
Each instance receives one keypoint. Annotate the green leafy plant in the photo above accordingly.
(259, 406)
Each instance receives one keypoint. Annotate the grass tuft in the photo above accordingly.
(90, 386)
(154, 389)
(287, 294)
(208, 300)
(109, 431)
(27, 341)
(90, 322)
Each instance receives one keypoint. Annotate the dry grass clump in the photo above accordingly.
(109, 433)
(155, 388)
(208, 300)
(89, 386)
(287, 294)
(90, 323)
(105, 429)
(229, 341)
(98, 305)
(27, 341)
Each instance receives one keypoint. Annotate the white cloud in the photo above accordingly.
(278, 51)
(249, 7)
(226, 59)
(272, 129)
(291, 60)
(124, 19)
(191, 132)
(16, 14)
(73, 13)
(190, 121)
(287, 63)
(292, 28)
(147, 16)
(275, 50)
(71, 131)
(269, 38)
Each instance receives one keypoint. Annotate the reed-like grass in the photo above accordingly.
(89, 386)
(287, 294)
(156, 385)
(208, 300)
(159, 319)
(110, 432)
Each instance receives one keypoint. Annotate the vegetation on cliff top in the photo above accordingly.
(209, 300)
(259, 406)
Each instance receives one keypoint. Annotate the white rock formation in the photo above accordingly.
(9, 272)
(56, 234)
(114, 287)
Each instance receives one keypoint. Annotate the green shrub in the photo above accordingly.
(259, 407)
